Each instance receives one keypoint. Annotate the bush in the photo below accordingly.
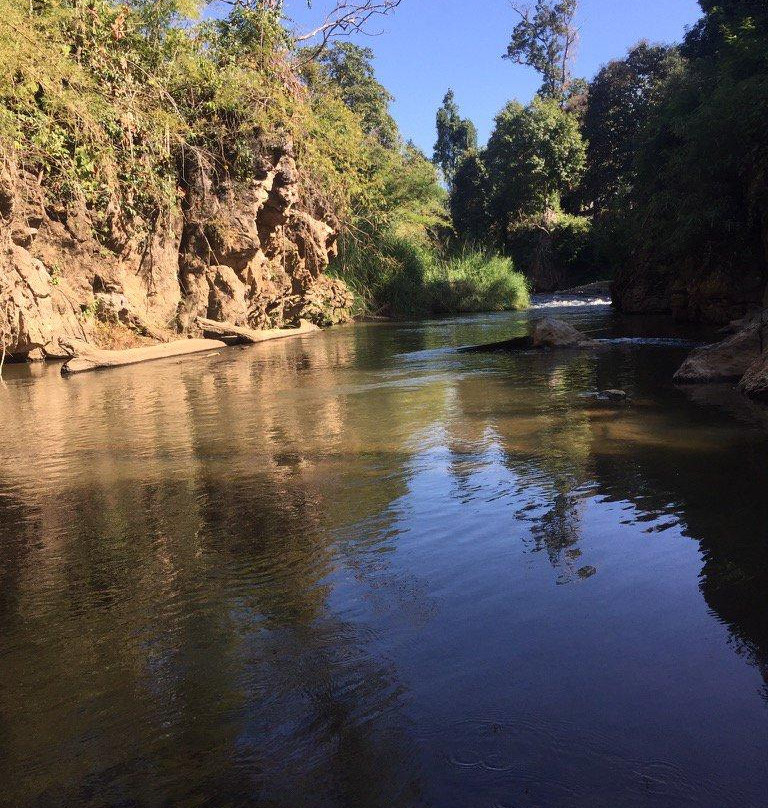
(473, 281)
(402, 277)
(574, 250)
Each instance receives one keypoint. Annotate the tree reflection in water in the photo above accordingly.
(268, 577)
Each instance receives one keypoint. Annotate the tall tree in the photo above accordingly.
(620, 98)
(469, 199)
(455, 137)
(535, 155)
(350, 69)
(545, 39)
(697, 214)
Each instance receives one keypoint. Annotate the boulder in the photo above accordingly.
(755, 381)
(724, 361)
(543, 334)
(551, 333)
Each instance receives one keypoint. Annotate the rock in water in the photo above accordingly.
(724, 361)
(544, 334)
(550, 333)
(755, 381)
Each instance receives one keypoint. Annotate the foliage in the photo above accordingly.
(104, 102)
(573, 248)
(620, 97)
(406, 279)
(350, 70)
(475, 280)
(545, 39)
(455, 137)
(469, 200)
(534, 155)
(700, 200)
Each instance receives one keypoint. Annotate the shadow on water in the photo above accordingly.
(364, 570)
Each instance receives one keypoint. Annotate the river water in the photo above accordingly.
(362, 569)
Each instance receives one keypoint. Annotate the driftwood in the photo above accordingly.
(544, 335)
(234, 334)
(86, 357)
(515, 344)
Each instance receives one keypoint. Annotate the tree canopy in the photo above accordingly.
(545, 39)
(455, 137)
(620, 98)
(535, 154)
(350, 69)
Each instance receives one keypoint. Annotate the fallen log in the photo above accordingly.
(514, 344)
(85, 357)
(544, 334)
(236, 334)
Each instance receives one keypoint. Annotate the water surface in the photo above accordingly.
(361, 569)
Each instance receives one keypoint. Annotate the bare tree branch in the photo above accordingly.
(345, 18)
(349, 17)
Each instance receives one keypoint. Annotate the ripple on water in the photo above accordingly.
(364, 570)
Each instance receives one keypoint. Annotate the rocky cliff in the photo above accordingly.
(250, 253)
(716, 288)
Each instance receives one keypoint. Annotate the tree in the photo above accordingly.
(535, 155)
(729, 28)
(697, 212)
(455, 137)
(344, 18)
(349, 68)
(620, 97)
(469, 199)
(545, 39)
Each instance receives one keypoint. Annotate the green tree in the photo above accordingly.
(620, 98)
(535, 155)
(455, 137)
(469, 199)
(697, 215)
(350, 69)
(545, 39)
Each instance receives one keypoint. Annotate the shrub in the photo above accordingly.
(473, 281)
(402, 277)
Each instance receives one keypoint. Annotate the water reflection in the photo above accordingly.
(362, 569)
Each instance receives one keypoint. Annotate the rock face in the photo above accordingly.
(692, 293)
(252, 254)
(724, 361)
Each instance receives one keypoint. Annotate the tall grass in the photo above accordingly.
(403, 278)
(475, 280)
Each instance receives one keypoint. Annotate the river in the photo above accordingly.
(361, 569)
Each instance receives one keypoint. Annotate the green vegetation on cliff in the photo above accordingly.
(103, 100)
(113, 106)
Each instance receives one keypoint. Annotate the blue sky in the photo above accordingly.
(430, 45)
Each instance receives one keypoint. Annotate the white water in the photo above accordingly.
(566, 301)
